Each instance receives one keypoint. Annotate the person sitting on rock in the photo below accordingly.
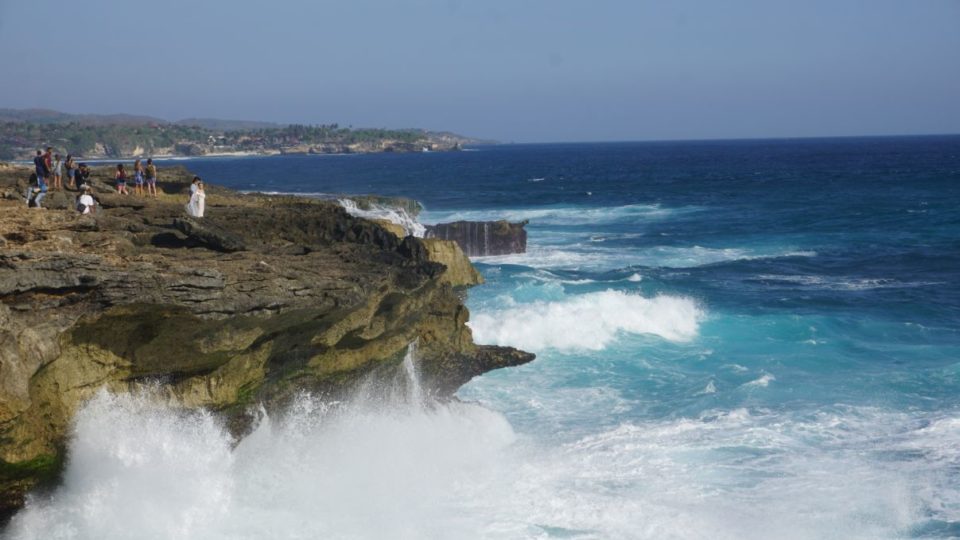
(36, 191)
(86, 203)
(121, 178)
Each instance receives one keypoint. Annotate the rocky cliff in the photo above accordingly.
(263, 298)
(479, 238)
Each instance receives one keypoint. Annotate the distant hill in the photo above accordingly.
(226, 125)
(22, 131)
(48, 116)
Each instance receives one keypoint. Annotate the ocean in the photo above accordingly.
(734, 339)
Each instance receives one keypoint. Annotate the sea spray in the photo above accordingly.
(857, 437)
(398, 216)
(388, 462)
(411, 370)
(385, 468)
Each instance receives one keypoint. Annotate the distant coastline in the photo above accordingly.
(93, 137)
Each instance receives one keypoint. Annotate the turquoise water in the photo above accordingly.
(744, 339)
(764, 329)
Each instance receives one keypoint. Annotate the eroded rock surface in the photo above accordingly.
(263, 298)
(480, 238)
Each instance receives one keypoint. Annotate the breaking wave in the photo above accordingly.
(587, 322)
(389, 460)
(599, 215)
(592, 257)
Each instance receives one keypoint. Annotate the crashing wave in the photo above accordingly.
(588, 322)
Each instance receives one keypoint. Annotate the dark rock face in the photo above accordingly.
(263, 298)
(479, 238)
(366, 202)
(210, 235)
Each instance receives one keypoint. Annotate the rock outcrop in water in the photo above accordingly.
(262, 299)
(479, 238)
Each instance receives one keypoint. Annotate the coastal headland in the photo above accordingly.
(22, 132)
(264, 298)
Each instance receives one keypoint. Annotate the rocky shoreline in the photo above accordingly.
(264, 298)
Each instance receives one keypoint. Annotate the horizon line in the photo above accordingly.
(733, 139)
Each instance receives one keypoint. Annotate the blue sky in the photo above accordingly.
(512, 70)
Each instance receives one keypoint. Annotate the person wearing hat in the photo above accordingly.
(86, 203)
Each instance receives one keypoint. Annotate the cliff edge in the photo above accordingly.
(264, 298)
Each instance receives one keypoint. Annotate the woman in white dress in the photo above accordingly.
(197, 200)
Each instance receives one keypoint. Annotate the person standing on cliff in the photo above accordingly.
(57, 173)
(71, 171)
(121, 178)
(151, 178)
(138, 178)
(48, 162)
(40, 166)
(197, 202)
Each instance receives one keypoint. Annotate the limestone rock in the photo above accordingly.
(459, 273)
(392, 227)
(264, 298)
(210, 235)
(480, 238)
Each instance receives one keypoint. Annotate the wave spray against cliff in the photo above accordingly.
(388, 464)
(392, 463)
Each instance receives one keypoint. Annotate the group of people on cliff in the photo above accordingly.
(48, 177)
(141, 175)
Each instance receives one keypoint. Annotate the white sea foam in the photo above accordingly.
(747, 475)
(635, 277)
(761, 382)
(587, 322)
(310, 194)
(562, 215)
(549, 277)
(391, 214)
(375, 468)
(591, 256)
(387, 213)
(839, 283)
(711, 388)
(455, 470)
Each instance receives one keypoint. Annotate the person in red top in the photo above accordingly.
(48, 159)
(121, 177)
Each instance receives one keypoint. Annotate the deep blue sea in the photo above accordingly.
(734, 339)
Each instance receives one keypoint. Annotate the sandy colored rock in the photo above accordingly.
(263, 298)
(459, 273)
(392, 227)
